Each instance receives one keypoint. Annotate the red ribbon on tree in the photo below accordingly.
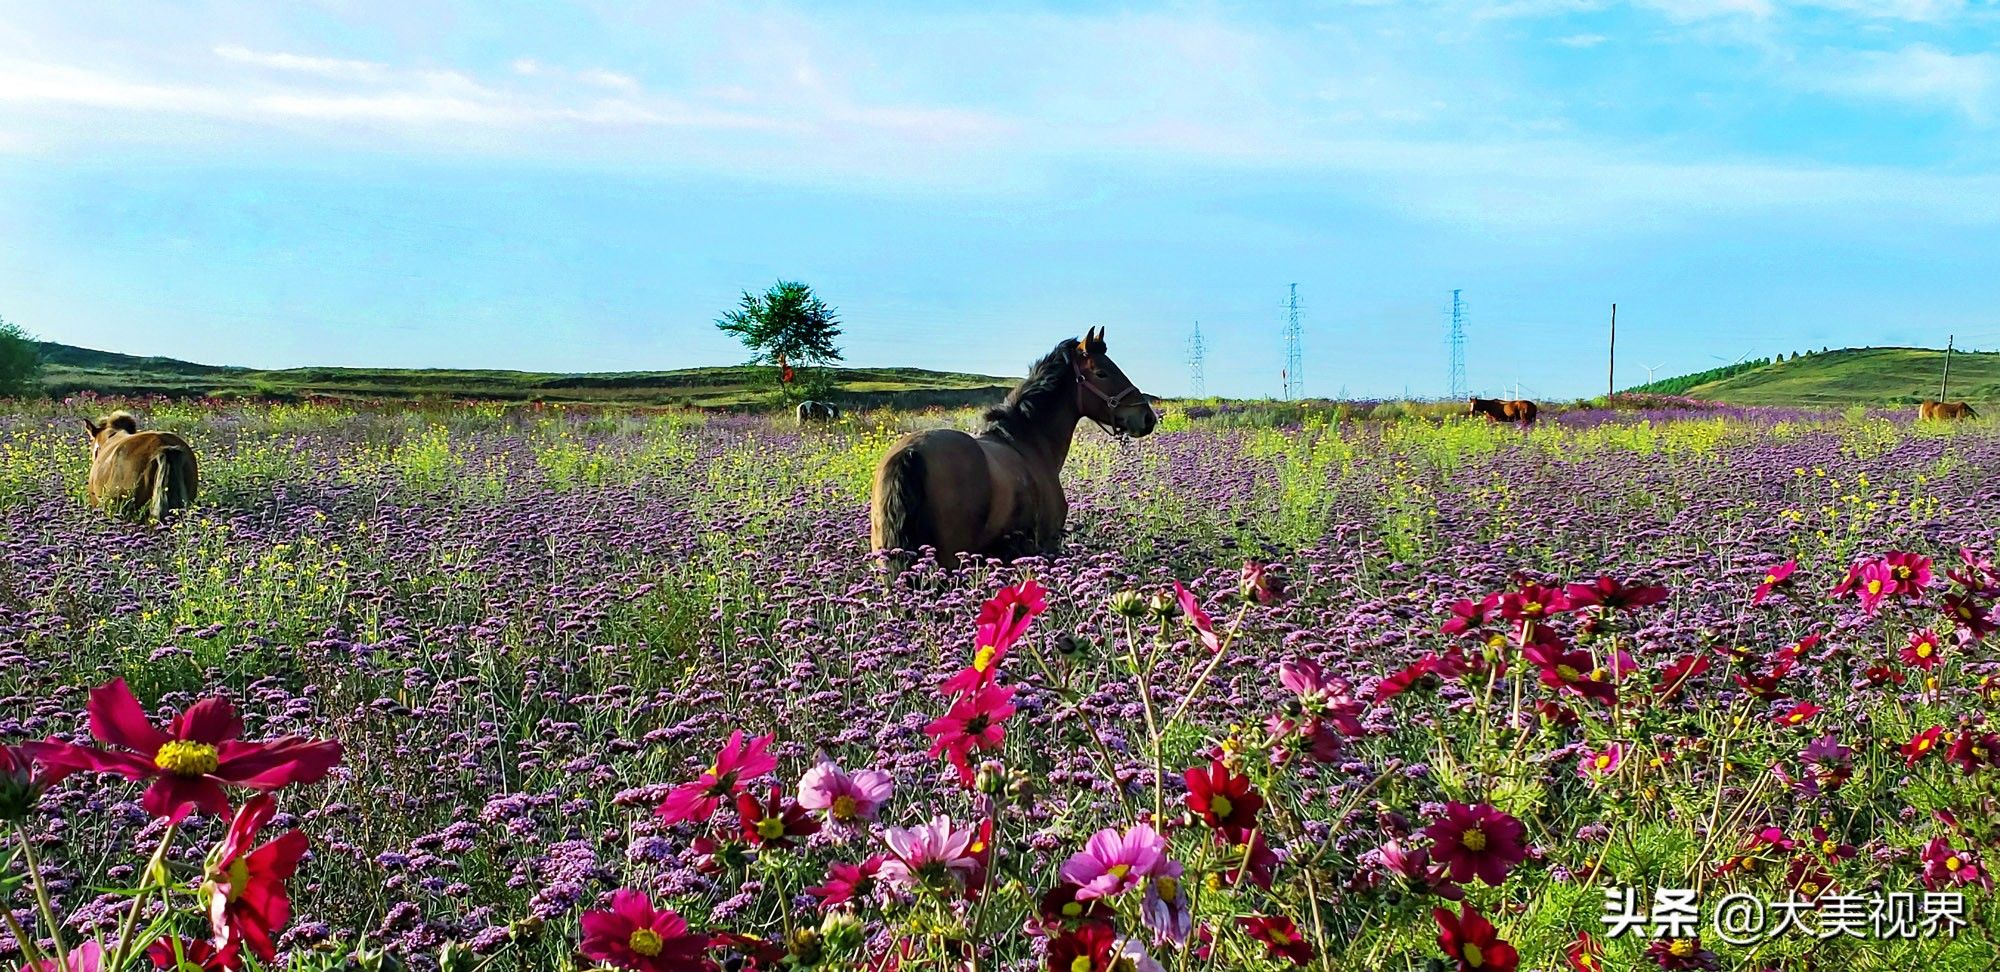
(785, 370)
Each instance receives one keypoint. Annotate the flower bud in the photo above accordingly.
(454, 957)
(1128, 604)
(843, 931)
(991, 778)
(1164, 606)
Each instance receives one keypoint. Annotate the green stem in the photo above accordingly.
(42, 901)
(156, 874)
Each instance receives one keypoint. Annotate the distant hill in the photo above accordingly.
(72, 369)
(1850, 376)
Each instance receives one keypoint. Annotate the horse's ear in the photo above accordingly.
(92, 427)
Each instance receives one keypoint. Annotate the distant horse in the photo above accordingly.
(138, 475)
(999, 493)
(1502, 410)
(818, 412)
(1944, 411)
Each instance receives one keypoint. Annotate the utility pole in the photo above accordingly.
(1197, 358)
(1611, 358)
(1294, 355)
(1944, 383)
(1457, 379)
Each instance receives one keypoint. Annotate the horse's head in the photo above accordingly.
(108, 428)
(1103, 393)
(1472, 406)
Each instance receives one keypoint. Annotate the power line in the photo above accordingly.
(1457, 345)
(1294, 373)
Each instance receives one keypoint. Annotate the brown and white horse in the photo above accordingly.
(138, 475)
(1945, 411)
(1502, 410)
(999, 493)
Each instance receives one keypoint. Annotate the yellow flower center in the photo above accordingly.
(1603, 760)
(983, 659)
(770, 827)
(1903, 573)
(1497, 641)
(1874, 587)
(1475, 956)
(844, 807)
(1924, 650)
(1810, 889)
(645, 941)
(1682, 947)
(1220, 806)
(1168, 888)
(1532, 609)
(1120, 870)
(1770, 578)
(1568, 673)
(1071, 909)
(1473, 839)
(183, 758)
(1080, 964)
(1952, 863)
(1829, 848)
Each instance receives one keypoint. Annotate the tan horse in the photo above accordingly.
(1944, 411)
(138, 475)
(999, 493)
(1502, 410)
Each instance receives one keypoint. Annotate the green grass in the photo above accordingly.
(69, 370)
(1851, 376)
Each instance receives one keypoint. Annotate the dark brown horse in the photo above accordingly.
(999, 493)
(1502, 410)
(1944, 411)
(138, 475)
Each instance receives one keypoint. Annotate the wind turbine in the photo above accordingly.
(1652, 368)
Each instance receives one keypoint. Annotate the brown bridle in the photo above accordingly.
(1085, 383)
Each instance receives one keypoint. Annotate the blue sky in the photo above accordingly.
(587, 186)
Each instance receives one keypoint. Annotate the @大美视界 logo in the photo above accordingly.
(1746, 919)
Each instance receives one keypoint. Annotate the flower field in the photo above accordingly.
(474, 687)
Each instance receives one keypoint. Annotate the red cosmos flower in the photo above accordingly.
(1612, 595)
(1797, 650)
(1002, 621)
(1762, 686)
(1263, 583)
(747, 953)
(1945, 867)
(1401, 681)
(1471, 941)
(1223, 800)
(1971, 750)
(1585, 954)
(1797, 715)
(1681, 953)
(633, 935)
(1574, 671)
(736, 763)
(192, 760)
(1280, 936)
(1254, 861)
(1912, 572)
(197, 954)
(1829, 847)
(1204, 626)
(1920, 745)
(1780, 576)
(1477, 841)
(773, 823)
(975, 722)
(1969, 616)
(22, 780)
(846, 882)
(1469, 617)
(1678, 674)
(980, 850)
(245, 888)
(1806, 877)
(1089, 947)
(1883, 675)
(1924, 650)
(1532, 602)
(1975, 574)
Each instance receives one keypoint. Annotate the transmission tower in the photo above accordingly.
(1197, 355)
(1294, 356)
(1457, 345)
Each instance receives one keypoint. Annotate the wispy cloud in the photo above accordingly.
(327, 67)
(1919, 74)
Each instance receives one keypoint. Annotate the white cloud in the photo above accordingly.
(1582, 40)
(328, 67)
(1918, 74)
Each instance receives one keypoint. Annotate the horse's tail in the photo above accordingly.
(901, 523)
(1969, 413)
(166, 475)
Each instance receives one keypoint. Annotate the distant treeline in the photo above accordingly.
(1680, 384)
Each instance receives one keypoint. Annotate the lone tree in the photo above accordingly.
(788, 328)
(20, 362)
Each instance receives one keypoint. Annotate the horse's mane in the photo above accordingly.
(121, 420)
(1028, 404)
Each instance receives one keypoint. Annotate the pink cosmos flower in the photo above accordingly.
(738, 762)
(1596, 766)
(1945, 867)
(1779, 576)
(930, 855)
(1165, 908)
(1204, 626)
(87, 957)
(192, 760)
(975, 722)
(1112, 863)
(845, 798)
(1874, 583)
(1912, 572)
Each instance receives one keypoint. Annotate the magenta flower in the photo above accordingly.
(634, 935)
(845, 798)
(1945, 867)
(1596, 766)
(1415, 867)
(87, 957)
(974, 722)
(1165, 908)
(1477, 841)
(1874, 583)
(192, 760)
(932, 855)
(738, 762)
(1204, 626)
(1112, 863)
(1911, 572)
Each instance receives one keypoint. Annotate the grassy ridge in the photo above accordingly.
(1851, 376)
(73, 369)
